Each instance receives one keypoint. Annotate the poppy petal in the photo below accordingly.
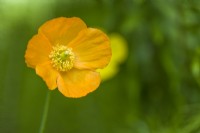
(91, 48)
(62, 30)
(77, 83)
(48, 74)
(38, 50)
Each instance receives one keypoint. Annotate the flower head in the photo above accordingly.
(66, 54)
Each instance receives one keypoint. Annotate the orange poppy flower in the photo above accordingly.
(66, 54)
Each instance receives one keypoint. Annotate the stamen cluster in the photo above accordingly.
(62, 58)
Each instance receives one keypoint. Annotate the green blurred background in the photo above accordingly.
(157, 89)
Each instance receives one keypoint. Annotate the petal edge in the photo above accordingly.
(48, 74)
(92, 49)
(62, 30)
(78, 83)
(37, 51)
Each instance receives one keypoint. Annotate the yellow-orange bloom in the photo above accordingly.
(66, 54)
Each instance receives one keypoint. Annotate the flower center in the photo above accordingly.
(62, 58)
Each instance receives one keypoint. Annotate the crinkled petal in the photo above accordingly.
(38, 50)
(91, 48)
(48, 74)
(62, 30)
(77, 83)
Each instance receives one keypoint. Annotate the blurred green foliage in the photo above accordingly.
(156, 91)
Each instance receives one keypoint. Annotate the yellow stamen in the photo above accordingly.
(62, 58)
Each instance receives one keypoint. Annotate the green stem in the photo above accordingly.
(45, 112)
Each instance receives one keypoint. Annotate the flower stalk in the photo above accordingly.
(45, 112)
